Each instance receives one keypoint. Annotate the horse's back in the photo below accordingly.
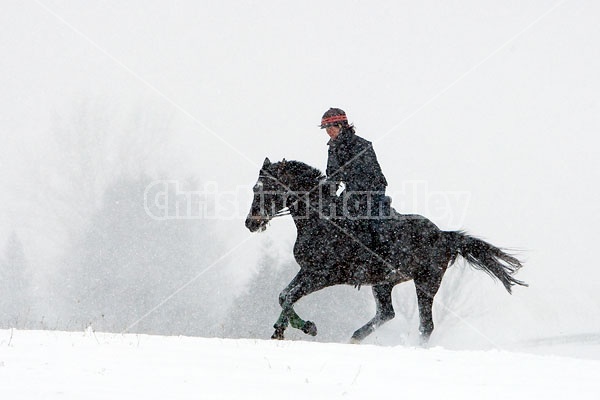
(413, 223)
(415, 233)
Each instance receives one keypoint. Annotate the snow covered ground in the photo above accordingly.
(59, 365)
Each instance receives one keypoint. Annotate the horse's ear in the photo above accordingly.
(282, 165)
(266, 163)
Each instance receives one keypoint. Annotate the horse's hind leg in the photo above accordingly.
(427, 283)
(384, 313)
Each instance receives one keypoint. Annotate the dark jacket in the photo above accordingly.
(353, 161)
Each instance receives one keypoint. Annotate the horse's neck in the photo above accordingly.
(305, 210)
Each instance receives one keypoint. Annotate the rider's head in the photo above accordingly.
(334, 121)
(334, 117)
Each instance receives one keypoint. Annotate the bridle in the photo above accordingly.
(286, 209)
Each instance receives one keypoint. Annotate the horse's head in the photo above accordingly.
(269, 196)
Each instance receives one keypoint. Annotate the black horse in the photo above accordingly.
(330, 252)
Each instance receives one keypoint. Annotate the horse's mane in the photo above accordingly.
(302, 170)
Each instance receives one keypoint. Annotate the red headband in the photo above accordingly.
(333, 119)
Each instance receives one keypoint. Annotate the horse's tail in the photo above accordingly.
(484, 256)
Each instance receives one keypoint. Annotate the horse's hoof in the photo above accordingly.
(354, 341)
(277, 335)
(310, 328)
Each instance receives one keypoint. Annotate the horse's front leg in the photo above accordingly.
(282, 323)
(284, 318)
(300, 286)
(289, 317)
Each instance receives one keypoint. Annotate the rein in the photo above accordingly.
(282, 213)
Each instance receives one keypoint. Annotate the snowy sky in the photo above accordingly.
(495, 99)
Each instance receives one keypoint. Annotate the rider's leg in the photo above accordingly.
(377, 219)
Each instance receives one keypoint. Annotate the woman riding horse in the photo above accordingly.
(328, 255)
(352, 160)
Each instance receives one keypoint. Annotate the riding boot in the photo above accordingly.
(366, 259)
(380, 211)
(380, 243)
(382, 238)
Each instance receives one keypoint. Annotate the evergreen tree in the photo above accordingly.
(14, 287)
(126, 264)
(256, 308)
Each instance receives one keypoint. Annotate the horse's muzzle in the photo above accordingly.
(256, 223)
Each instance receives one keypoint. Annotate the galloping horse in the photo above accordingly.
(329, 253)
